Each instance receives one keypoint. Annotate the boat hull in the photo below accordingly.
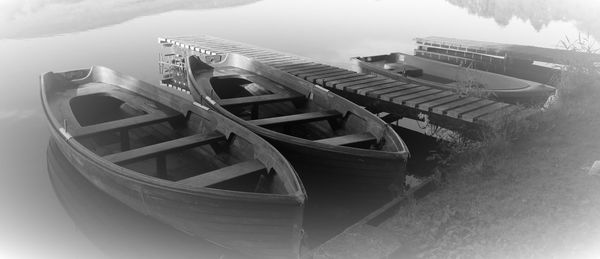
(447, 76)
(253, 227)
(363, 172)
(259, 225)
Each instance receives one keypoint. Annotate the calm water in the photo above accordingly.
(43, 35)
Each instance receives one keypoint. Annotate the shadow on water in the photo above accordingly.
(27, 19)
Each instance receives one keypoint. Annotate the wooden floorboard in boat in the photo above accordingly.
(297, 118)
(224, 174)
(165, 147)
(260, 99)
(137, 121)
(349, 139)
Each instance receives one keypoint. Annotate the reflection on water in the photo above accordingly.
(22, 19)
(117, 230)
(120, 231)
(539, 13)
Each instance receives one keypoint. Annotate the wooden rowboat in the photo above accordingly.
(326, 137)
(447, 76)
(165, 156)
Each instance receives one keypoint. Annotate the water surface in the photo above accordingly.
(43, 35)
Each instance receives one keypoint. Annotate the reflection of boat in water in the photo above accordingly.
(114, 228)
(38, 18)
(314, 128)
(447, 76)
(178, 162)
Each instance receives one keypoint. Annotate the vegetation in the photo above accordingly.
(524, 189)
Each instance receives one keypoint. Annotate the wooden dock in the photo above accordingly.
(376, 93)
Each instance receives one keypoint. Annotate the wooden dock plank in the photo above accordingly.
(380, 92)
(470, 116)
(307, 73)
(440, 109)
(332, 81)
(288, 64)
(428, 106)
(276, 59)
(312, 69)
(365, 91)
(389, 96)
(304, 67)
(296, 66)
(313, 78)
(355, 88)
(415, 102)
(342, 86)
(457, 112)
(403, 98)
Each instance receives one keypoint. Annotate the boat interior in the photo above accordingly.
(294, 112)
(424, 70)
(138, 133)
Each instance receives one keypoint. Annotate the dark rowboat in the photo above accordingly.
(164, 155)
(447, 76)
(326, 137)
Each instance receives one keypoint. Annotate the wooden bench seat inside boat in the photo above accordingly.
(225, 173)
(298, 118)
(170, 146)
(348, 140)
(127, 123)
(260, 99)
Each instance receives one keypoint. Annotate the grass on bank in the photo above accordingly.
(524, 190)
